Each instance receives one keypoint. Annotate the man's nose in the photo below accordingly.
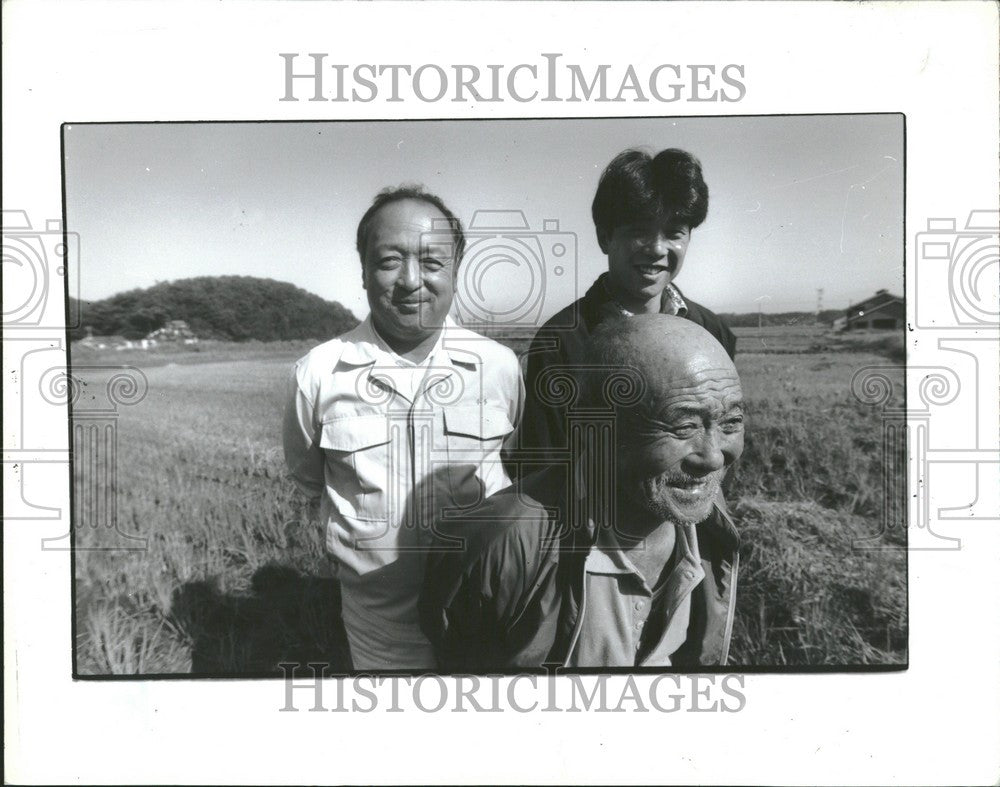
(409, 275)
(659, 245)
(708, 455)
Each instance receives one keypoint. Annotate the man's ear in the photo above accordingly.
(364, 278)
(602, 240)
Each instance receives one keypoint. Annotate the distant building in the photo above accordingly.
(882, 312)
(174, 331)
(103, 342)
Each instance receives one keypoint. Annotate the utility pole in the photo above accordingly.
(819, 303)
(760, 317)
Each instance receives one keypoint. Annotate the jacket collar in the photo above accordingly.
(720, 527)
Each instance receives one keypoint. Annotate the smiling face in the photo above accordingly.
(643, 258)
(676, 442)
(675, 452)
(408, 272)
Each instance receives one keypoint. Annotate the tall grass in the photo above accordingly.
(810, 594)
(234, 579)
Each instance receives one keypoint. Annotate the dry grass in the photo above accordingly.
(808, 594)
(234, 579)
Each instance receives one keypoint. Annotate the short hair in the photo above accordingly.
(636, 186)
(414, 192)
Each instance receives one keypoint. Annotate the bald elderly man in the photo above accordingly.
(641, 573)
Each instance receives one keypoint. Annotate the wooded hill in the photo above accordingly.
(231, 308)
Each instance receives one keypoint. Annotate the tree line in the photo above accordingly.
(753, 319)
(230, 308)
(243, 308)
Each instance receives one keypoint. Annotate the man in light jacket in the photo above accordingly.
(398, 422)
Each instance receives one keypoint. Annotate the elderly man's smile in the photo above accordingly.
(684, 490)
(695, 490)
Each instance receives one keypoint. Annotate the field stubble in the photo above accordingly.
(234, 579)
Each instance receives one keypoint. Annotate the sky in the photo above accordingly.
(797, 204)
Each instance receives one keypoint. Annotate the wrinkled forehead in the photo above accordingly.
(713, 388)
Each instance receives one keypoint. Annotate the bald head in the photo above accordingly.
(666, 351)
(679, 423)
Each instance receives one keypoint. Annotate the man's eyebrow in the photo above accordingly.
(390, 246)
(679, 410)
(405, 247)
(684, 408)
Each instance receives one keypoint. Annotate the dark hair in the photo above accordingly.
(415, 192)
(636, 187)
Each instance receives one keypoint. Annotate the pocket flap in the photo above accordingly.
(485, 423)
(355, 433)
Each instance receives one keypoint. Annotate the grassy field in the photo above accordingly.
(233, 579)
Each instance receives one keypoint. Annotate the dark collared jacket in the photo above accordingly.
(505, 592)
(561, 344)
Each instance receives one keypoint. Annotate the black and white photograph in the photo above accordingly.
(479, 397)
(501, 392)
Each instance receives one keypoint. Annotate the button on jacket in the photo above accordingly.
(387, 446)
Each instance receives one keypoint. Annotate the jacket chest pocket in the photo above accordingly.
(358, 450)
(473, 437)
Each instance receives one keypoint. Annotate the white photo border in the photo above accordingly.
(934, 62)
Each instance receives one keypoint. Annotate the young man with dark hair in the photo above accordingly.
(644, 211)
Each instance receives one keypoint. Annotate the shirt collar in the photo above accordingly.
(459, 344)
(671, 302)
(367, 347)
(607, 557)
